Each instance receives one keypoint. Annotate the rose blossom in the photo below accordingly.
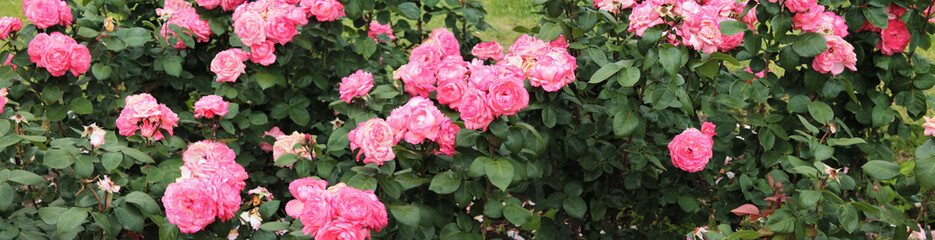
(280, 28)
(142, 112)
(450, 92)
(553, 71)
(46, 13)
(482, 76)
(376, 139)
(341, 230)
(444, 41)
(184, 16)
(360, 207)
(9, 25)
(474, 110)
(357, 84)
(57, 59)
(840, 54)
(3, 93)
(287, 144)
(507, 96)
(312, 204)
(613, 6)
(80, 59)
(818, 21)
(263, 53)
(251, 28)
(58, 54)
(107, 185)
(801, 5)
(418, 78)
(446, 137)
(211, 105)
(929, 126)
(488, 50)
(376, 29)
(644, 16)
(191, 204)
(691, 150)
(273, 132)
(703, 32)
(894, 38)
(228, 64)
(208, 4)
(94, 133)
(323, 10)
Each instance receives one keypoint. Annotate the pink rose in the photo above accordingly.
(171, 7)
(208, 4)
(450, 92)
(894, 38)
(613, 6)
(80, 59)
(423, 120)
(228, 186)
(312, 204)
(211, 105)
(801, 5)
(230, 5)
(57, 59)
(691, 150)
(142, 112)
(507, 96)
(64, 14)
(360, 207)
(302, 188)
(295, 143)
(451, 68)
(644, 16)
(761, 74)
(703, 32)
(840, 54)
(273, 132)
(280, 29)
(323, 10)
(427, 55)
(342, 230)
(750, 18)
(251, 28)
(9, 25)
(228, 64)
(37, 47)
(376, 29)
(9, 62)
(446, 137)
(46, 13)
(528, 47)
(444, 41)
(818, 21)
(474, 110)
(376, 139)
(191, 204)
(488, 50)
(929, 124)
(208, 151)
(263, 53)
(357, 84)
(553, 71)
(482, 76)
(418, 78)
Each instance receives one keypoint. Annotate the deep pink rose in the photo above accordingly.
(230, 5)
(376, 29)
(211, 105)
(280, 29)
(3, 99)
(418, 78)
(251, 28)
(446, 137)
(9, 25)
(507, 96)
(342, 230)
(228, 64)
(208, 4)
(840, 54)
(474, 110)
(644, 16)
(57, 59)
(801, 5)
(303, 188)
(142, 112)
(80, 59)
(691, 150)
(360, 207)
(263, 53)
(424, 120)
(191, 204)
(37, 47)
(444, 41)
(450, 92)
(357, 84)
(323, 10)
(488, 50)
(46, 13)
(894, 38)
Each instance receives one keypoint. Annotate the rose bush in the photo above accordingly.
(612, 119)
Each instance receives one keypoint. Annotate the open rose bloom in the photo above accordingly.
(210, 106)
(338, 212)
(59, 53)
(46, 13)
(182, 14)
(228, 64)
(691, 150)
(356, 85)
(9, 25)
(295, 143)
(143, 113)
(209, 187)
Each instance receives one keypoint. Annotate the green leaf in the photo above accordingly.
(605, 72)
(724, 57)
(477, 166)
(338, 140)
(274, 226)
(135, 36)
(781, 221)
(70, 220)
(629, 77)
(575, 207)
(365, 46)
(144, 202)
(549, 31)
(881, 170)
(746, 234)
(26, 178)
(58, 159)
(670, 58)
(688, 203)
(549, 116)
(101, 71)
(268, 209)
(876, 16)
(6, 196)
(105, 222)
(285, 159)
(820, 111)
(500, 173)
(808, 198)
(408, 215)
(87, 32)
(810, 44)
(111, 160)
(267, 79)
(516, 214)
(129, 218)
(847, 216)
(137, 154)
(299, 116)
(410, 10)
(846, 141)
(732, 27)
(626, 123)
(173, 66)
(445, 182)
(925, 173)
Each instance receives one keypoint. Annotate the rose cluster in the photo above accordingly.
(263, 23)
(691, 150)
(210, 106)
(287, 144)
(228, 64)
(227, 5)
(59, 53)
(182, 14)
(209, 187)
(376, 29)
(143, 113)
(323, 10)
(47, 13)
(811, 17)
(693, 24)
(338, 212)
(357, 84)
(895, 37)
(9, 25)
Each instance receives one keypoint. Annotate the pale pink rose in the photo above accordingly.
(818, 21)
(191, 204)
(323, 10)
(288, 144)
(723, 8)
(703, 32)
(9, 25)
(357, 84)
(230, 5)
(80, 59)
(691, 150)
(553, 71)
(614, 6)
(376, 139)
(171, 7)
(376, 29)
(507, 96)
(280, 29)
(449, 92)
(474, 110)
(446, 138)
(482, 76)
(208, 4)
(211, 105)
(263, 53)
(423, 121)
(488, 50)
(528, 47)
(107, 185)
(208, 151)
(894, 38)
(228, 187)
(644, 16)
(273, 132)
(251, 28)
(228, 64)
(342, 230)
(452, 67)
(801, 5)
(360, 207)
(929, 126)
(418, 78)
(840, 54)
(46, 13)
(444, 41)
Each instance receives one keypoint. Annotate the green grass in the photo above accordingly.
(11, 8)
(504, 15)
